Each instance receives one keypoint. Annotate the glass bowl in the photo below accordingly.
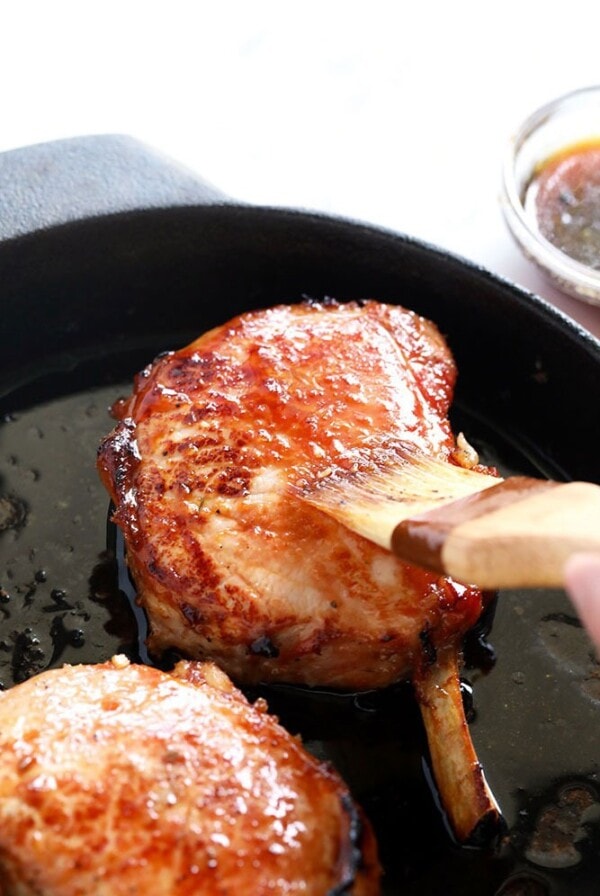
(570, 120)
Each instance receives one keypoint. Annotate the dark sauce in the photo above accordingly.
(564, 197)
(60, 598)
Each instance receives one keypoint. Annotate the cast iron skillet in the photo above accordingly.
(110, 254)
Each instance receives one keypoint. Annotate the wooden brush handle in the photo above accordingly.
(517, 534)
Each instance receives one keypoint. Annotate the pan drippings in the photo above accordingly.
(57, 582)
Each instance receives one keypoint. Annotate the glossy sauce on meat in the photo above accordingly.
(229, 563)
(207, 469)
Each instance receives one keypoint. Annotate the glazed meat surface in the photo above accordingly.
(206, 469)
(120, 779)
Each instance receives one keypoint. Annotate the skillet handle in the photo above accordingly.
(82, 177)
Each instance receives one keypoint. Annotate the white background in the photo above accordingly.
(395, 113)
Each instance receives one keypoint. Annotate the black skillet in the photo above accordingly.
(110, 254)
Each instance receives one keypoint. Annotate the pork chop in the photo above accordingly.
(122, 780)
(206, 468)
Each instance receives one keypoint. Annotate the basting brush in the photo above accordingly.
(474, 527)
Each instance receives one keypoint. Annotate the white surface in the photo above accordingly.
(395, 113)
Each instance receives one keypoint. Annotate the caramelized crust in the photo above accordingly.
(205, 467)
(119, 780)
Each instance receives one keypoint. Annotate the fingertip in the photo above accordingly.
(582, 582)
(582, 575)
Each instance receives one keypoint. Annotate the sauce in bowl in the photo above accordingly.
(563, 195)
(551, 191)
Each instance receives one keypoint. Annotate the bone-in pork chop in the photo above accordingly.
(206, 469)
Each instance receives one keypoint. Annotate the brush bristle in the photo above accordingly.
(376, 494)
